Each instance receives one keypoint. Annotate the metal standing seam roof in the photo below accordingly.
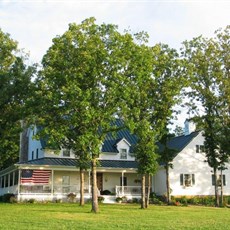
(70, 162)
(180, 142)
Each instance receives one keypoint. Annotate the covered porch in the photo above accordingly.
(63, 180)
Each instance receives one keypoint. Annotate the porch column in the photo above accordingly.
(19, 183)
(122, 182)
(52, 183)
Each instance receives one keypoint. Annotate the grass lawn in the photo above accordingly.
(116, 216)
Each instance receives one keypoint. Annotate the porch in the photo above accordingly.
(110, 185)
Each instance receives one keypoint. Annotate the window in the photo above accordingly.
(123, 153)
(65, 184)
(16, 177)
(11, 179)
(7, 181)
(66, 153)
(3, 182)
(124, 181)
(219, 180)
(36, 153)
(199, 148)
(187, 180)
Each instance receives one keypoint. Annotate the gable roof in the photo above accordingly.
(111, 140)
(180, 142)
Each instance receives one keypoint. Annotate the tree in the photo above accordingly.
(80, 88)
(15, 88)
(167, 155)
(208, 69)
(154, 90)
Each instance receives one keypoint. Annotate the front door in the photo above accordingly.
(100, 181)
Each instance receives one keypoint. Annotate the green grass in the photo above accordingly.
(130, 216)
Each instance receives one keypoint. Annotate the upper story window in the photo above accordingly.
(36, 153)
(66, 153)
(199, 148)
(123, 153)
(187, 180)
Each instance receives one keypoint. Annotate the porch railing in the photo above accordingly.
(128, 190)
(39, 189)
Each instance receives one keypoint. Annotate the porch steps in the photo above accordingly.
(109, 199)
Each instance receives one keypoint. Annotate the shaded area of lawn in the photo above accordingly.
(130, 216)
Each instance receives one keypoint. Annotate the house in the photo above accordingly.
(190, 175)
(44, 174)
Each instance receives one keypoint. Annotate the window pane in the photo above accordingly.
(187, 180)
(123, 153)
(66, 153)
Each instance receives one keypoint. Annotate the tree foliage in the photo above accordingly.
(15, 88)
(82, 84)
(208, 69)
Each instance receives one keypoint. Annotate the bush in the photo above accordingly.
(106, 192)
(119, 199)
(208, 200)
(31, 201)
(100, 199)
(71, 197)
(7, 197)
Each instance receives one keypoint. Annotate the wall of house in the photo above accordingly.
(111, 180)
(34, 146)
(159, 182)
(188, 161)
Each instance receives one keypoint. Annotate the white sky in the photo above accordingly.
(35, 23)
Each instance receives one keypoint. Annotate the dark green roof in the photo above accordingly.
(72, 162)
(180, 142)
(112, 139)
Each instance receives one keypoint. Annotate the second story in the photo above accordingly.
(117, 146)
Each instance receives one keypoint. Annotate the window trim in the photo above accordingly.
(123, 153)
(66, 151)
(184, 181)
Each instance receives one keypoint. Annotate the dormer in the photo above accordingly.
(123, 147)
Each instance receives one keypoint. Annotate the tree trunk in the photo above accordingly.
(167, 185)
(216, 189)
(82, 201)
(95, 207)
(148, 191)
(143, 191)
(221, 190)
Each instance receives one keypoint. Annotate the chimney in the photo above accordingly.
(189, 127)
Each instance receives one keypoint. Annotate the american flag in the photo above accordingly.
(35, 176)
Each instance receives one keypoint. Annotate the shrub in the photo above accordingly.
(71, 197)
(208, 200)
(31, 201)
(136, 200)
(119, 199)
(100, 199)
(6, 197)
(13, 199)
(106, 192)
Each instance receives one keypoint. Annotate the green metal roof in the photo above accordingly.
(70, 162)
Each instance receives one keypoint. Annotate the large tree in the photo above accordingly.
(208, 69)
(15, 88)
(80, 88)
(155, 84)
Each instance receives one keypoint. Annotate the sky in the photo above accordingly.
(35, 23)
